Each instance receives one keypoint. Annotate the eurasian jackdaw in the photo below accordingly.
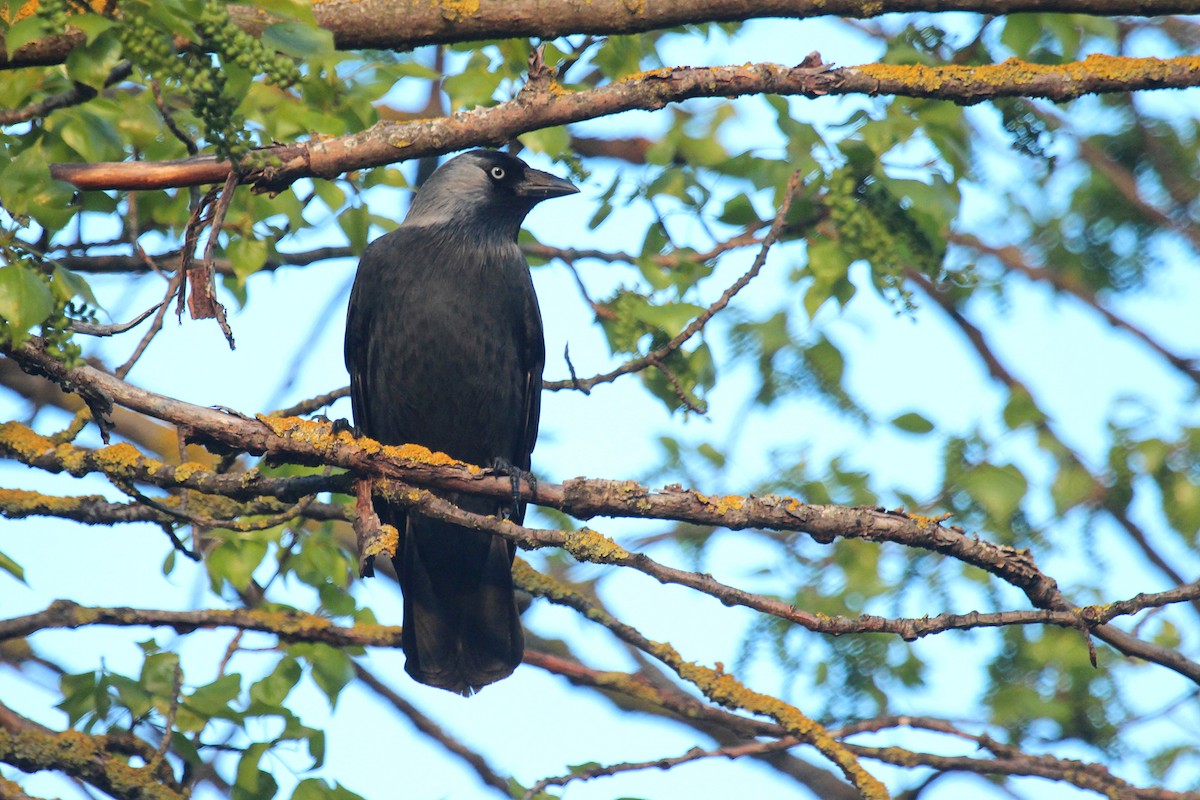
(444, 347)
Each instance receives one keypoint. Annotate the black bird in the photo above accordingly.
(444, 348)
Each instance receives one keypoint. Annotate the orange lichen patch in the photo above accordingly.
(304, 430)
(320, 436)
(77, 753)
(384, 543)
(189, 468)
(637, 77)
(22, 441)
(9, 16)
(534, 582)
(423, 455)
(929, 522)
(628, 685)
(118, 457)
(723, 505)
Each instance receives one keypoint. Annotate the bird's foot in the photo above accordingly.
(504, 467)
(340, 425)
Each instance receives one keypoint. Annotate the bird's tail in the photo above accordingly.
(462, 629)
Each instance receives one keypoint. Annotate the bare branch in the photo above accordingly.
(92, 329)
(695, 754)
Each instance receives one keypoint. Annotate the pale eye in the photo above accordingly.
(497, 173)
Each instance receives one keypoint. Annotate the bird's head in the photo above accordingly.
(485, 190)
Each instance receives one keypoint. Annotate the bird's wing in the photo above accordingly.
(535, 360)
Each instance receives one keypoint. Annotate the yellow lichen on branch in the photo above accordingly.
(82, 756)
(715, 684)
(1058, 81)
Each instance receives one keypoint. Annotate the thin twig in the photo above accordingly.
(93, 329)
(695, 754)
(697, 324)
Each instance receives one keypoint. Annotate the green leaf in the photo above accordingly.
(332, 668)
(12, 568)
(551, 141)
(913, 422)
(247, 256)
(92, 25)
(235, 561)
(1072, 485)
(999, 489)
(80, 694)
(739, 211)
(92, 63)
(26, 188)
(270, 692)
(25, 299)
(355, 222)
(299, 10)
(68, 285)
(1021, 410)
(299, 40)
(158, 674)
(25, 31)
(474, 86)
(251, 782)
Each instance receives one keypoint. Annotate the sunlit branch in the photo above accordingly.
(93, 759)
(401, 26)
(1094, 777)
(542, 105)
(717, 685)
(78, 93)
(310, 442)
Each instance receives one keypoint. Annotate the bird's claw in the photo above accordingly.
(504, 467)
(341, 425)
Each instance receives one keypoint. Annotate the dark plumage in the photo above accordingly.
(444, 347)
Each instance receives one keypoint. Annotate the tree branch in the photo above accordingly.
(31, 747)
(308, 442)
(408, 24)
(546, 106)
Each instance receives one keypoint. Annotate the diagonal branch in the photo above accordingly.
(717, 685)
(655, 357)
(550, 105)
(1012, 259)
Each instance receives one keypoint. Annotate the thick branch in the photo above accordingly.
(546, 106)
(310, 442)
(408, 24)
(33, 748)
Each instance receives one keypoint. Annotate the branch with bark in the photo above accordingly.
(415, 469)
(409, 24)
(546, 104)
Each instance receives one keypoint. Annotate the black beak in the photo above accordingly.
(538, 185)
